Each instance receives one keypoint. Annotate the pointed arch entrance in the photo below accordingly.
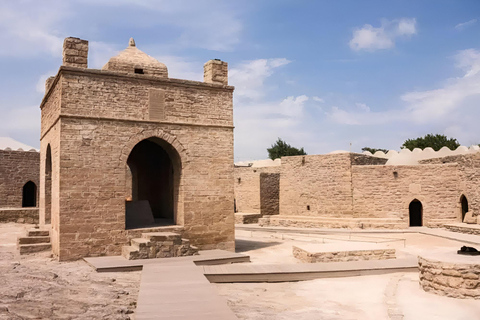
(464, 206)
(415, 212)
(153, 178)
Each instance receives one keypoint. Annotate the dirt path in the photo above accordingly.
(39, 287)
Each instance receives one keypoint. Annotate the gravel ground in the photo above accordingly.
(39, 287)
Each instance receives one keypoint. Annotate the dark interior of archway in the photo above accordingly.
(415, 213)
(152, 180)
(29, 196)
(48, 186)
(464, 206)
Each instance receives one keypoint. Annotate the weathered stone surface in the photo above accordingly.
(339, 253)
(444, 277)
(16, 169)
(158, 245)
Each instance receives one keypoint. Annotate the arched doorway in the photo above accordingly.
(154, 170)
(464, 203)
(29, 195)
(415, 210)
(48, 186)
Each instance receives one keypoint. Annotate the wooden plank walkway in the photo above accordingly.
(179, 291)
(306, 271)
(205, 257)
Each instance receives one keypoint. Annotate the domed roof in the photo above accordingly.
(133, 60)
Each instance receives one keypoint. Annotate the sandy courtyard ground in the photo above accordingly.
(391, 296)
(39, 287)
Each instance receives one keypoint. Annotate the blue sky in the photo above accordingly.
(319, 74)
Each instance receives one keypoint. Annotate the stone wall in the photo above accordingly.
(316, 185)
(469, 176)
(456, 280)
(19, 215)
(16, 169)
(103, 116)
(386, 192)
(269, 193)
(248, 189)
(357, 191)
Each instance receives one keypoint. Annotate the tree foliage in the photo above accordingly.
(281, 148)
(373, 150)
(436, 142)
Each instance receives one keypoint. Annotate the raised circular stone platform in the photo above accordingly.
(342, 251)
(450, 274)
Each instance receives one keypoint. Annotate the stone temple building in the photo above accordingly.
(351, 190)
(126, 149)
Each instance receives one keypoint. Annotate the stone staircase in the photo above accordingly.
(158, 245)
(36, 240)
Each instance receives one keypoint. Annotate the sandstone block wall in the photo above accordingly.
(469, 177)
(19, 215)
(450, 279)
(386, 192)
(16, 169)
(92, 120)
(248, 189)
(316, 185)
(269, 193)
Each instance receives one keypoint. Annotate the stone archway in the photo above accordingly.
(415, 213)
(154, 179)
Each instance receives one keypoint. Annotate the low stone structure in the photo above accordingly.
(450, 274)
(19, 215)
(158, 245)
(464, 228)
(341, 252)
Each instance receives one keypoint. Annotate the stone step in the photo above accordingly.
(38, 233)
(130, 252)
(35, 247)
(161, 236)
(31, 240)
(138, 243)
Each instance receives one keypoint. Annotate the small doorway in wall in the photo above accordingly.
(415, 210)
(464, 203)
(29, 195)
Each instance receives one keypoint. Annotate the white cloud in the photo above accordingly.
(450, 109)
(369, 38)
(363, 107)
(30, 29)
(318, 99)
(465, 25)
(249, 77)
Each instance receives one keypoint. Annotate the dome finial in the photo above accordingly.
(131, 43)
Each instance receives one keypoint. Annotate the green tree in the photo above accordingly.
(436, 142)
(373, 150)
(281, 149)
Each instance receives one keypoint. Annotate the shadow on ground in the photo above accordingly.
(247, 245)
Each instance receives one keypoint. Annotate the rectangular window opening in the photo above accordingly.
(139, 71)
